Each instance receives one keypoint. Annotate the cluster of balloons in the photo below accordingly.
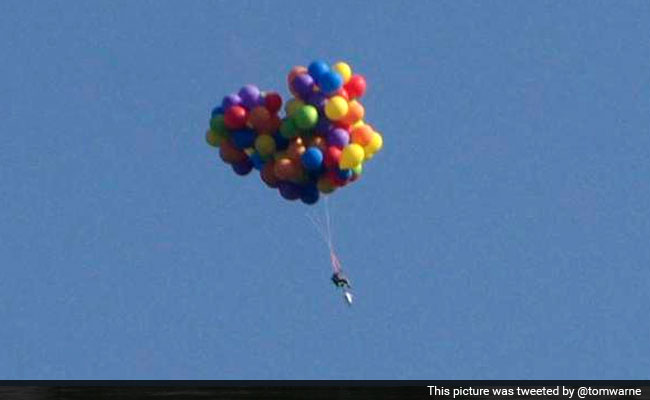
(320, 144)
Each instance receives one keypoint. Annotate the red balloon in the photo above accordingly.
(343, 93)
(273, 102)
(331, 157)
(335, 179)
(356, 86)
(268, 175)
(235, 117)
(230, 154)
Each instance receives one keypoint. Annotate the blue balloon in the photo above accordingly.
(317, 69)
(289, 191)
(309, 194)
(243, 168)
(257, 161)
(243, 138)
(344, 174)
(312, 158)
(330, 82)
(216, 111)
(281, 143)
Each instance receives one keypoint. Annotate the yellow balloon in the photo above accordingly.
(375, 144)
(336, 108)
(324, 186)
(265, 145)
(358, 123)
(351, 156)
(213, 138)
(292, 106)
(344, 70)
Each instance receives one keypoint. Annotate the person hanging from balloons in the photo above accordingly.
(321, 144)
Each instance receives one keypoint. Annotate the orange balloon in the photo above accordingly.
(268, 175)
(285, 169)
(259, 118)
(355, 113)
(295, 71)
(318, 141)
(361, 135)
(295, 149)
(230, 154)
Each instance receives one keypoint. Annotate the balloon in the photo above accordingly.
(312, 158)
(344, 174)
(230, 100)
(259, 117)
(256, 160)
(351, 156)
(375, 144)
(288, 190)
(330, 82)
(305, 117)
(235, 117)
(292, 106)
(318, 141)
(362, 135)
(243, 167)
(285, 169)
(334, 178)
(356, 86)
(344, 70)
(288, 128)
(355, 113)
(317, 99)
(325, 186)
(298, 70)
(296, 149)
(230, 154)
(243, 138)
(273, 102)
(216, 111)
(338, 137)
(318, 144)
(317, 69)
(332, 157)
(265, 145)
(268, 175)
(303, 85)
(250, 96)
(217, 124)
(281, 143)
(336, 108)
(214, 139)
(309, 194)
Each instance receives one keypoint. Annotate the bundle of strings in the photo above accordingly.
(324, 228)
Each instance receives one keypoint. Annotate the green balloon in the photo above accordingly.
(306, 117)
(288, 128)
(217, 125)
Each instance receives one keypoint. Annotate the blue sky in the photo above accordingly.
(502, 232)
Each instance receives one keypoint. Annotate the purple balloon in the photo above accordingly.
(288, 190)
(230, 100)
(250, 96)
(303, 85)
(317, 99)
(323, 125)
(338, 137)
(243, 168)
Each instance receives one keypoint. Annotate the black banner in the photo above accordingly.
(316, 390)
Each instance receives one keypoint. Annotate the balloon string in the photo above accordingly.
(324, 229)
